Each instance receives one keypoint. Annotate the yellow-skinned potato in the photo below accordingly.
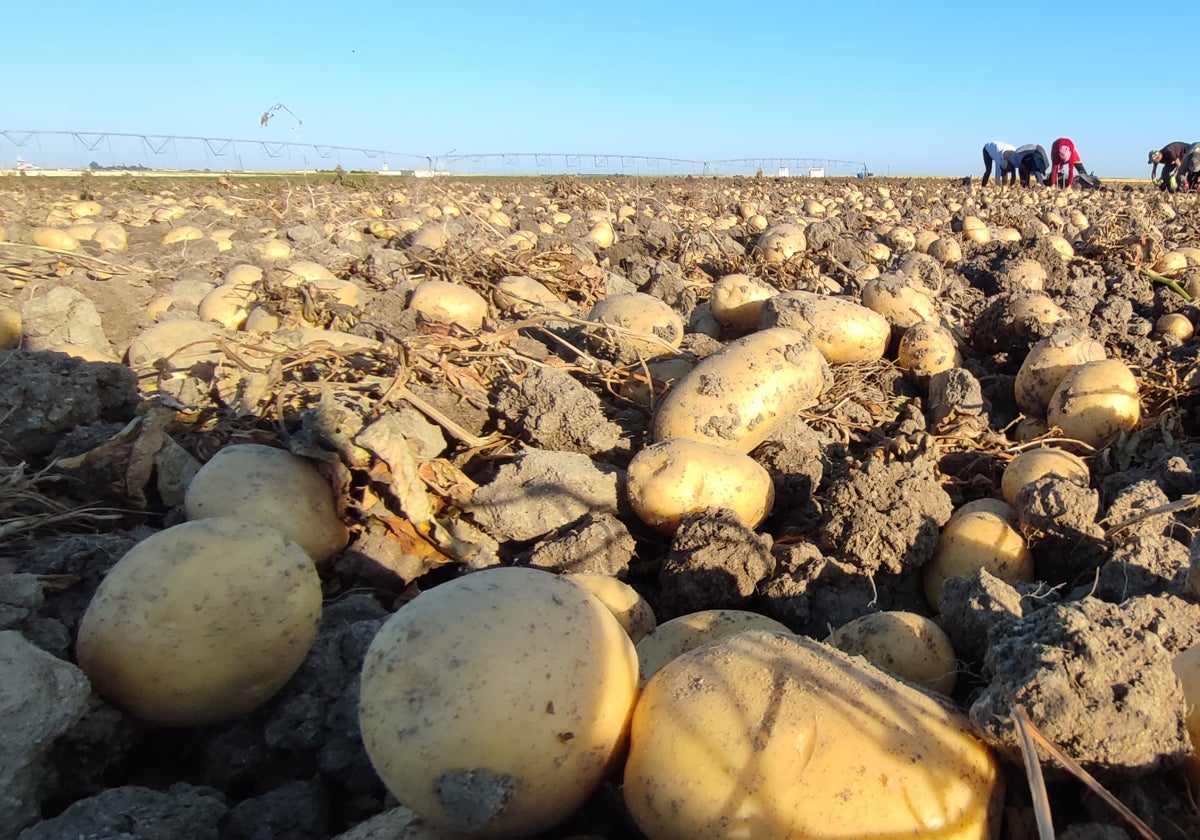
(928, 348)
(54, 238)
(1186, 666)
(844, 331)
(772, 736)
(201, 623)
(1033, 464)
(997, 506)
(737, 299)
(227, 304)
(1175, 324)
(443, 302)
(622, 600)
(740, 395)
(273, 487)
(647, 327)
(974, 541)
(495, 704)
(1095, 401)
(687, 632)
(1048, 363)
(675, 477)
(911, 646)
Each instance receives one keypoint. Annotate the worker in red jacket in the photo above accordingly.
(1063, 153)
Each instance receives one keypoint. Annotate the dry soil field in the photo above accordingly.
(483, 378)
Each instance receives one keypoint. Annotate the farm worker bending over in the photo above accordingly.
(1063, 153)
(997, 154)
(1030, 159)
(1189, 169)
(1170, 156)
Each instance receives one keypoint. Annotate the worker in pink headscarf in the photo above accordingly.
(1063, 153)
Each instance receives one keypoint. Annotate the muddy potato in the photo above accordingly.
(527, 723)
(767, 736)
(672, 478)
(997, 506)
(1023, 275)
(910, 646)
(738, 396)
(1047, 364)
(1095, 401)
(446, 303)
(780, 242)
(181, 344)
(737, 300)
(974, 541)
(687, 632)
(201, 623)
(928, 348)
(1033, 464)
(622, 600)
(273, 487)
(645, 327)
(842, 330)
(901, 303)
(521, 296)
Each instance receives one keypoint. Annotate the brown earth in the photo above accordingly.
(95, 455)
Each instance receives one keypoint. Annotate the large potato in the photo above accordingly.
(978, 540)
(675, 477)
(446, 303)
(496, 703)
(911, 646)
(769, 736)
(738, 396)
(901, 302)
(1095, 401)
(780, 242)
(927, 348)
(271, 486)
(201, 623)
(844, 331)
(688, 632)
(1048, 363)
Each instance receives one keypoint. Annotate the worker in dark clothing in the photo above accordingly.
(1189, 170)
(1028, 161)
(1170, 156)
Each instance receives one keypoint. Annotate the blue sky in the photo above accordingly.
(909, 88)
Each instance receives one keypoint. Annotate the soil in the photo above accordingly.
(514, 440)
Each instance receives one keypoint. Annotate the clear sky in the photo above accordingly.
(909, 88)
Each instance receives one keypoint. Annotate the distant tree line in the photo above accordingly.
(137, 167)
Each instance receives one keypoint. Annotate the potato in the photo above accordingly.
(928, 348)
(737, 300)
(911, 646)
(1033, 464)
(675, 477)
(497, 703)
(997, 506)
(622, 600)
(244, 274)
(780, 242)
(738, 396)
(227, 304)
(55, 239)
(201, 623)
(768, 736)
(257, 483)
(974, 541)
(1095, 401)
(842, 330)
(306, 271)
(901, 302)
(446, 303)
(1186, 665)
(645, 327)
(11, 329)
(688, 632)
(602, 234)
(111, 236)
(1023, 275)
(521, 296)
(270, 250)
(1175, 324)
(182, 343)
(1047, 364)
(1028, 428)
(664, 372)
(183, 233)
(900, 240)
